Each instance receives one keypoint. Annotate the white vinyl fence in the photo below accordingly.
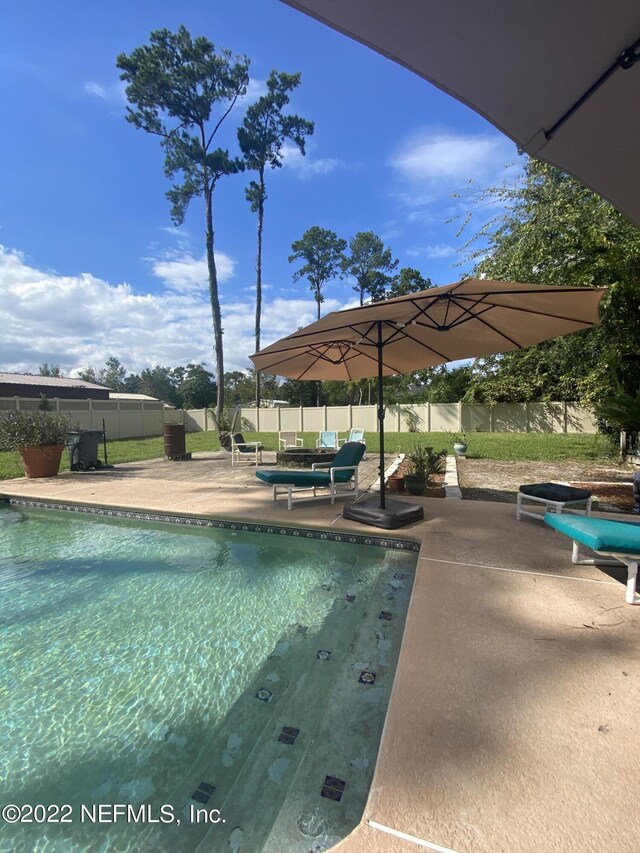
(128, 419)
(423, 417)
(122, 418)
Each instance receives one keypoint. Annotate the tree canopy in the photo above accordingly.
(370, 264)
(174, 83)
(553, 230)
(321, 250)
(261, 136)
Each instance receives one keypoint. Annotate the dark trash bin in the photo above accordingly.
(175, 446)
(82, 446)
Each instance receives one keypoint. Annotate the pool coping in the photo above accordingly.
(210, 522)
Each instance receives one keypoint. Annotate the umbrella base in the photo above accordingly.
(395, 514)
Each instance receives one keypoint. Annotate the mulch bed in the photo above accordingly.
(435, 490)
(618, 495)
(493, 480)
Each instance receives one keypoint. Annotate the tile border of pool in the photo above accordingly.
(389, 542)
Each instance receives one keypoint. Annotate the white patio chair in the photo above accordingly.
(245, 451)
(354, 435)
(327, 441)
(288, 439)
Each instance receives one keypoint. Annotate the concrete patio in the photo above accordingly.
(511, 722)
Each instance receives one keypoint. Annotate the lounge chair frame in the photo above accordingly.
(629, 559)
(290, 488)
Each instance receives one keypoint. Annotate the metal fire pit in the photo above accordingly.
(301, 457)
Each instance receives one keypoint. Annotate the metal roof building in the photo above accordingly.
(26, 385)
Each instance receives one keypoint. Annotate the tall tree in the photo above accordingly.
(322, 253)
(160, 382)
(370, 264)
(47, 369)
(408, 280)
(195, 386)
(114, 374)
(174, 83)
(553, 230)
(262, 136)
(89, 374)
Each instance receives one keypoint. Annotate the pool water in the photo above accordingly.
(158, 664)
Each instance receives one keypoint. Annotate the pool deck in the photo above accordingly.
(512, 718)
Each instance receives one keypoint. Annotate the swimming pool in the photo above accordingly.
(153, 664)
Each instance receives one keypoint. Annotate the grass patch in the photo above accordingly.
(534, 447)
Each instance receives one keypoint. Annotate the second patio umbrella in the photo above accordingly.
(463, 320)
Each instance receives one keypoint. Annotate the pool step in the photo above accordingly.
(257, 744)
(256, 798)
(325, 800)
(289, 792)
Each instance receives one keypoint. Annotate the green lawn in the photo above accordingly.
(481, 445)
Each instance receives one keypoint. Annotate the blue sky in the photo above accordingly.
(90, 264)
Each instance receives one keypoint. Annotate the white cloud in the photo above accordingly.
(435, 162)
(255, 89)
(304, 165)
(186, 273)
(438, 251)
(81, 320)
(113, 94)
(436, 155)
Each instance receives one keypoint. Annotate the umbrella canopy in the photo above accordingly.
(470, 318)
(463, 320)
(561, 78)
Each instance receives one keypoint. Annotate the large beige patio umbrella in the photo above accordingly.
(560, 77)
(456, 321)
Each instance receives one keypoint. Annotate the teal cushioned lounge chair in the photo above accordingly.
(618, 539)
(342, 471)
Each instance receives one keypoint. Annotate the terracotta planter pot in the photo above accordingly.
(41, 460)
(395, 484)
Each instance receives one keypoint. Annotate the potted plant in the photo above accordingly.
(39, 437)
(423, 462)
(460, 444)
(395, 484)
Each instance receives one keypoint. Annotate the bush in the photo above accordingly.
(425, 462)
(20, 429)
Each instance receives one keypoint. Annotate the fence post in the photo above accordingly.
(279, 418)
(301, 419)
(17, 400)
(566, 416)
(429, 417)
(459, 417)
(257, 418)
(527, 418)
(350, 416)
(90, 412)
(325, 418)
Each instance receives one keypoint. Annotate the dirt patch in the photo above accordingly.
(493, 480)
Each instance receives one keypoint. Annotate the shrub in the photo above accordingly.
(425, 462)
(20, 429)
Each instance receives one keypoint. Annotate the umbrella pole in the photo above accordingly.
(381, 415)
